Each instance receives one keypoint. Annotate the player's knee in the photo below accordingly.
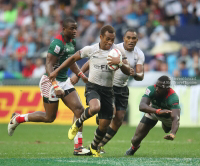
(118, 120)
(103, 128)
(50, 119)
(79, 111)
(94, 109)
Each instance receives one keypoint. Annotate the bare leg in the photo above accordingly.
(140, 133)
(48, 116)
(72, 101)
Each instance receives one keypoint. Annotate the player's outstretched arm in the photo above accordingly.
(84, 68)
(68, 62)
(144, 107)
(175, 115)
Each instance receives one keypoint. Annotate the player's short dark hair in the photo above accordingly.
(129, 30)
(67, 20)
(106, 28)
(165, 80)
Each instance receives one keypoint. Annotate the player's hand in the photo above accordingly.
(85, 79)
(53, 76)
(170, 137)
(132, 72)
(59, 92)
(113, 60)
(74, 79)
(164, 112)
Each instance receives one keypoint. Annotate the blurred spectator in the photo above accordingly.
(92, 33)
(184, 72)
(45, 6)
(194, 7)
(31, 47)
(172, 63)
(155, 64)
(184, 17)
(122, 6)
(195, 70)
(184, 56)
(94, 6)
(28, 68)
(39, 69)
(108, 8)
(5, 52)
(10, 13)
(21, 52)
(40, 19)
(143, 40)
(159, 35)
(120, 27)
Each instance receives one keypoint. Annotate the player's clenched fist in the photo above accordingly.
(58, 90)
(170, 137)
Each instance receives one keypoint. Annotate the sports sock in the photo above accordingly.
(78, 140)
(135, 148)
(22, 118)
(85, 115)
(98, 136)
(109, 134)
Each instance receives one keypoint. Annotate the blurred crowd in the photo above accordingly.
(27, 28)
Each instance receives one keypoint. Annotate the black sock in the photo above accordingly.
(85, 115)
(98, 136)
(109, 134)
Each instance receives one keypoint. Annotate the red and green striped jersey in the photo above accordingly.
(171, 101)
(63, 51)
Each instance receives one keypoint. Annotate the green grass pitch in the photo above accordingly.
(35, 144)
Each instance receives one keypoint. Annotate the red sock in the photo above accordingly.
(80, 142)
(20, 119)
(76, 146)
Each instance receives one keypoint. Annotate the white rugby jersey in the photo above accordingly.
(99, 73)
(134, 57)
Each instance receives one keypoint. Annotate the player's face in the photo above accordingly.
(161, 90)
(107, 40)
(130, 40)
(70, 30)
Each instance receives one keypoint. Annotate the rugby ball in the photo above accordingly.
(114, 53)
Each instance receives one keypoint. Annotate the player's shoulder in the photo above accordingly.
(58, 40)
(150, 91)
(120, 47)
(139, 52)
(151, 88)
(172, 95)
(90, 49)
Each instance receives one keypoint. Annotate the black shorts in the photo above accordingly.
(148, 121)
(121, 97)
(105, 95)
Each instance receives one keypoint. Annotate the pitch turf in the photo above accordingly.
(48, 145)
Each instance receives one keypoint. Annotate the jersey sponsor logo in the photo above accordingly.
(57, 49)
(147, 91)
(102, 67)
